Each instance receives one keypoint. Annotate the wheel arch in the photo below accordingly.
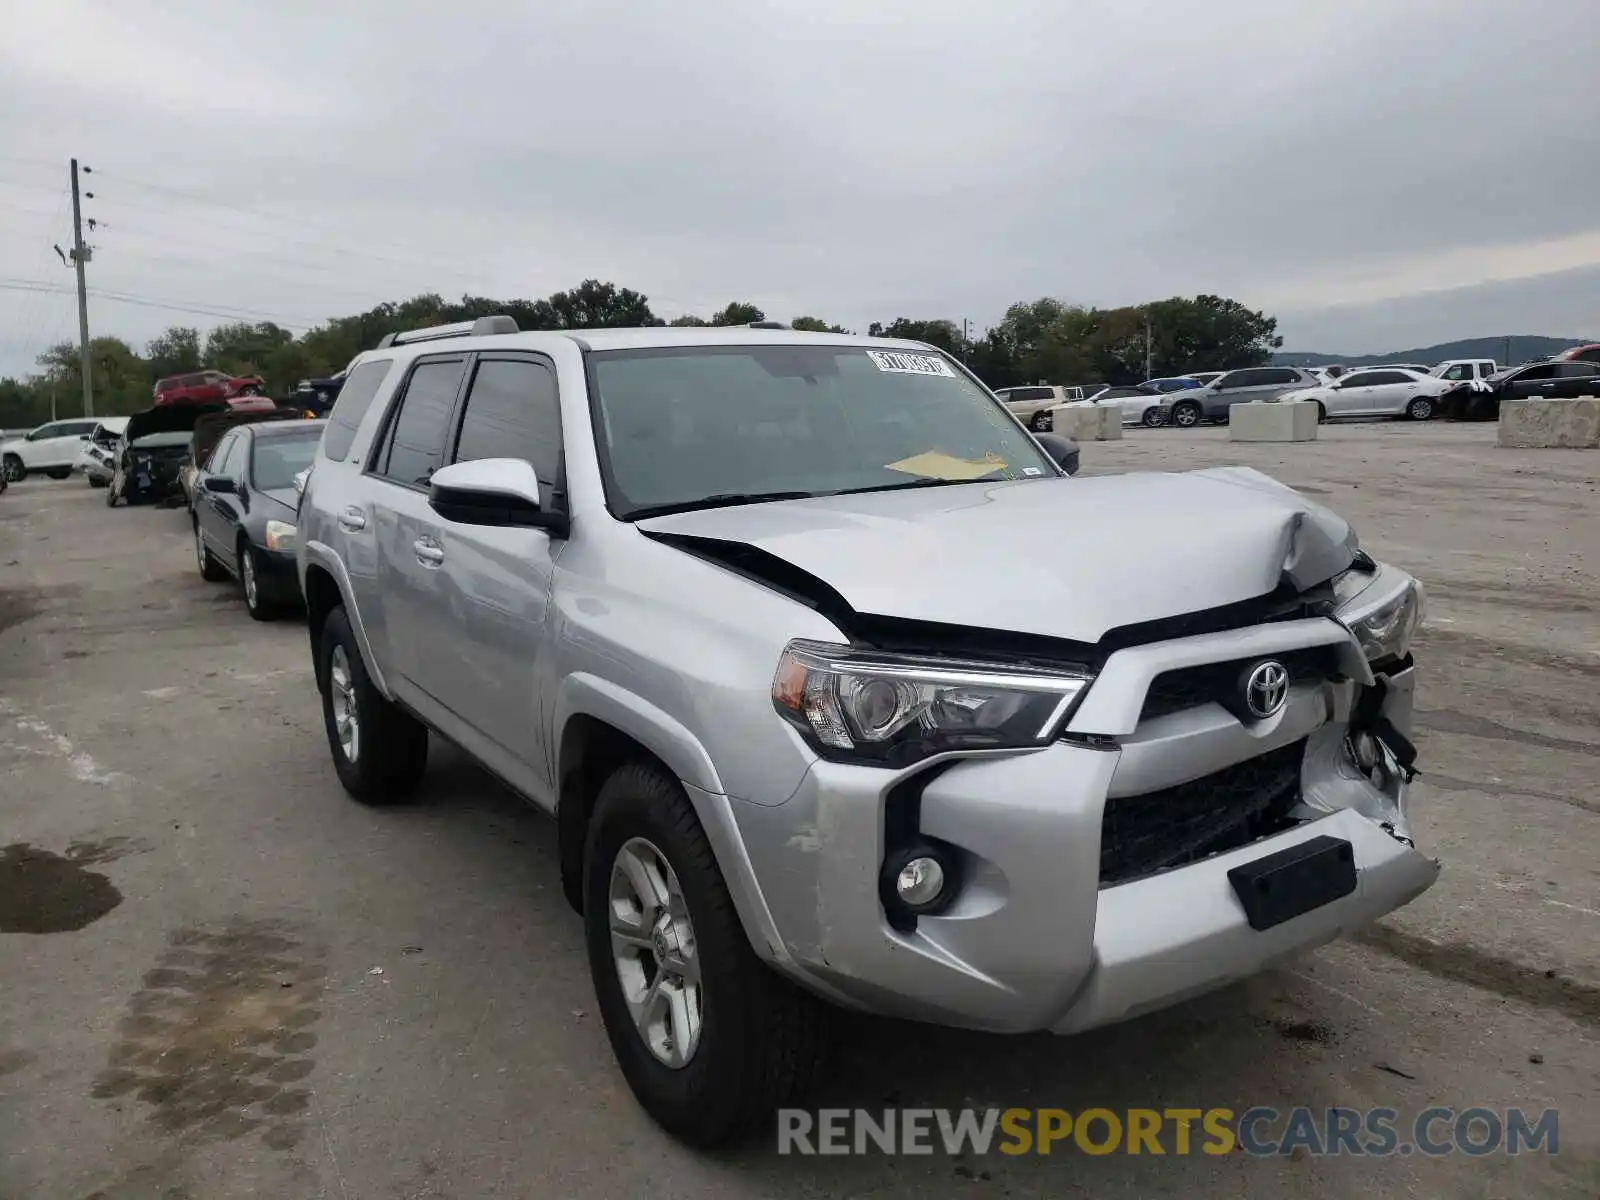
(601, 727)
(325, 585)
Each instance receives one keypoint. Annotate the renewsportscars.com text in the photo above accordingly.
(1260, 1131)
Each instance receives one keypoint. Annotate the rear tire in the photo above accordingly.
(1420, 409)
(760, 1042)
(1042, 422)
(1152, 418)
(1322, 413)
(384, 759)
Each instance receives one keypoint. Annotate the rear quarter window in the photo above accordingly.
(354, 399)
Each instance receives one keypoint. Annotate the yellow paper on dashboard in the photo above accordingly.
(936, 464)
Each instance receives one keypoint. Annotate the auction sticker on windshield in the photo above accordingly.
(897, 362)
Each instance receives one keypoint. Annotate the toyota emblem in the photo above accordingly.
(1266, 689)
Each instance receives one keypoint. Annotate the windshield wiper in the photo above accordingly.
(925, 482)
(719, 500)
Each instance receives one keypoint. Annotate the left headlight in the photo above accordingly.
(1385, 624)
(893, 710)
(280, 535)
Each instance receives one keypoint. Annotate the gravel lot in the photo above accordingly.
(249, 986)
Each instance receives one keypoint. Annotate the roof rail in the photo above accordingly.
(482, 327)
(769, 325)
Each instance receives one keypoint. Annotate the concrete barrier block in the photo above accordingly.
(1292, 422)
(1090, 423)
(1548, 424)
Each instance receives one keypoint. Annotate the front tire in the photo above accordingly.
(665, 943)
(1186, 414)
(59, 472)
(256, 603)
(1420, 409)
(210, 569)
(379, 750)
(1042, 422)
(1322, 413)
(15, 471)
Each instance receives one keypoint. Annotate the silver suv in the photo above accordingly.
(766, 621)
(1213, 401)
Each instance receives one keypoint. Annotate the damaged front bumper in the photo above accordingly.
(1054, 926)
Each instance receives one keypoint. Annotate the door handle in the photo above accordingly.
(429, 552)
(352, 520)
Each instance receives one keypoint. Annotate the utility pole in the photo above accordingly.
(80, 255)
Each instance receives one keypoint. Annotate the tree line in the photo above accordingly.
(1039, 341)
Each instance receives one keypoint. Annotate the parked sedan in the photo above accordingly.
(1140, 404)
(244, 511)
(1384, 392)
(1212, 402)
(1556, 379)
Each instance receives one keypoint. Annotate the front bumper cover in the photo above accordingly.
(1034, 942)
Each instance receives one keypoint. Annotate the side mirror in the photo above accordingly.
(83, 437)
(1063, 451)
(221, 485)
(500, 492)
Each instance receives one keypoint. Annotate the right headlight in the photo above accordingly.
(1385, 615)
(894, 710)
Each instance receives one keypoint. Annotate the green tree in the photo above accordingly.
(739, 312)
(175, 352)
(939, 332)
(688, 322)
(816, 325)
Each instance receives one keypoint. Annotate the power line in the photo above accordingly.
(231, 314)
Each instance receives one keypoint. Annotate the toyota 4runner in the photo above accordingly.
(767, 620)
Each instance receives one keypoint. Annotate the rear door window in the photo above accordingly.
(414, 446)
(354, 400)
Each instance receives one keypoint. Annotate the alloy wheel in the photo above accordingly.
(247, 572)
(654, 952)
(342, 695)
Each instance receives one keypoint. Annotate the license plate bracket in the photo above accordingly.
(1292, 882)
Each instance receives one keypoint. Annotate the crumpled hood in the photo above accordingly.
(170, 418)
(1064, 558)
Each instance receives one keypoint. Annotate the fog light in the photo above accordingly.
(920, 882)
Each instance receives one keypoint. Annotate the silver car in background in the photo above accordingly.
(1212, 402)
(766, 621)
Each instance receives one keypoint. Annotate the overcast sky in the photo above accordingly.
(1334, 162)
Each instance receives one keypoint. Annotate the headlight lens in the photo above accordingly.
(893, 710)
(1386, 631)
(280, 535)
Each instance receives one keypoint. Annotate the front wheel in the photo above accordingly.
(59, 472)
(1042, 422)
(379, 750)
(1186, 414)
(709, 1039)
(210, 569)
(15, 472)
(1322, 413)
(1420, 409)
(256, 603)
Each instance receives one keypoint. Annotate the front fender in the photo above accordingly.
(662, 734)
(320, 554)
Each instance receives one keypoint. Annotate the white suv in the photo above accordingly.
(48, 450)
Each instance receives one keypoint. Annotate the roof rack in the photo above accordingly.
(482, 327)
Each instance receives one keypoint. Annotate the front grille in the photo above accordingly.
(1223, 683)
(1141, 835)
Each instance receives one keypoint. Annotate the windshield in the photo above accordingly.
(688, 427)
(275, 461)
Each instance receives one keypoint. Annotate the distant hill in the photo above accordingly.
(1522, 348)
